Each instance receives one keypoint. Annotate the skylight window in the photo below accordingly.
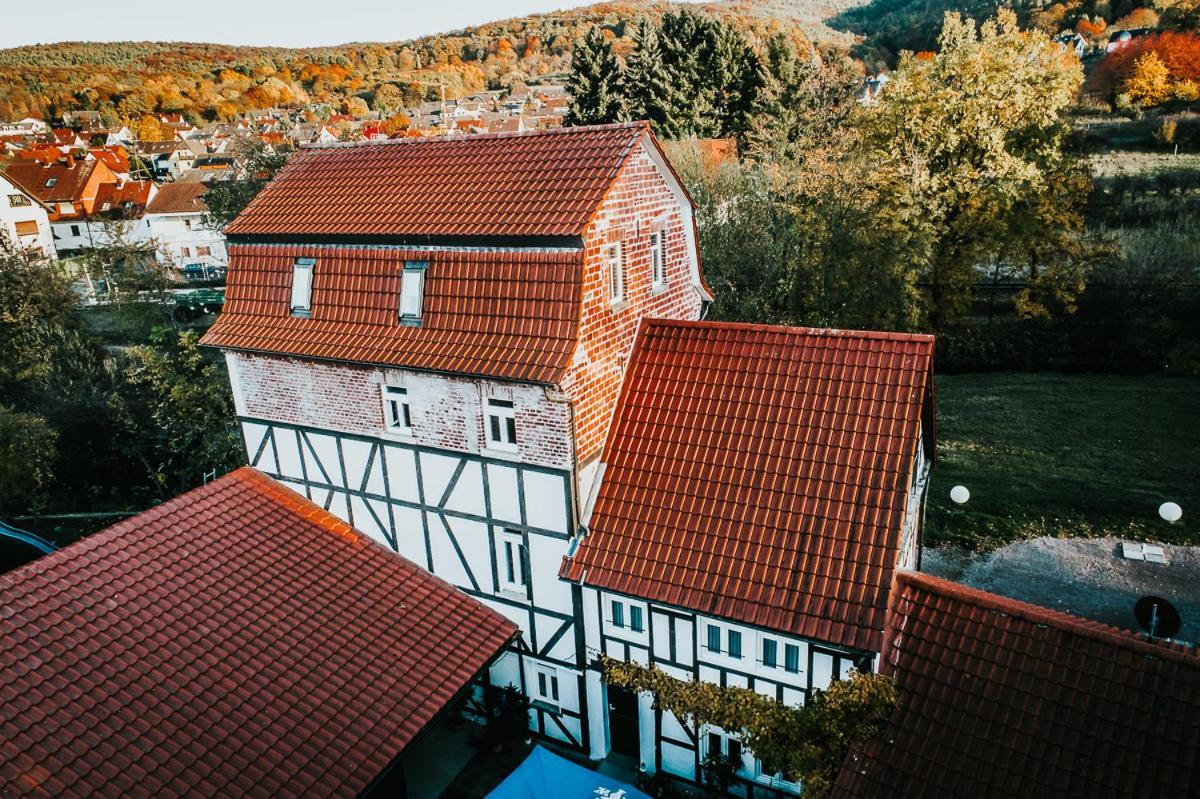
(302, 275)
(412, 292)
(51, 183)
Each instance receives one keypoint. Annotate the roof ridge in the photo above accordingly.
(831, 332)
(1039, 614)
(412, 140)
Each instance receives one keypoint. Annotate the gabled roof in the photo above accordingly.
(236, 640)
(61, 181)
(539, 183)
(1003, 698)
(124, 199)
(179, 198)
(760, 473)
(505, 314)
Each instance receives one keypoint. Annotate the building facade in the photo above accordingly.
(24, 221)
(439, 368)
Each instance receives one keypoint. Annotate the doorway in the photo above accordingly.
(623, 721)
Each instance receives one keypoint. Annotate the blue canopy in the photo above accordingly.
(545, 775)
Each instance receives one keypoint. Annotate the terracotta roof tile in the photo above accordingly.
(1003, 698)
(537, 183)
(179, 198)
(507, 314)
(235, 640)
(60, 181)
(759, 474)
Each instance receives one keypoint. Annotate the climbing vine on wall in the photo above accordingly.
(807, 744)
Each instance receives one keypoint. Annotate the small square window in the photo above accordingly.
(616, 273)
(501, 424)
(187, 223)
(302, 275)
(735, 644)
(187, 252)
(770, 653)
(791, 658)
(513, 568)
(397, 413)
(657, 274)
(618, 613)
(635, 619)
(714, 638)
(412, 292)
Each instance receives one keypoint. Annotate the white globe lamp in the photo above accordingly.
(1170, 512)
(960, 495)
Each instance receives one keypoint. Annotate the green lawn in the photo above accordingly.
(1065, 455)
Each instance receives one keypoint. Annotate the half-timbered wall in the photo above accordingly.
(677, 641)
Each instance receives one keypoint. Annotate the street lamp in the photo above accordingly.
(960, 495)
(1170, 512)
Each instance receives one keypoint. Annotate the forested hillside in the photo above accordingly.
(213, 82)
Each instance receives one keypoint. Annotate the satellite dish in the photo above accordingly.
(960, 495)
(1157, 617)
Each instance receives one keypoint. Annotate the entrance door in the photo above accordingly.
(623, 721)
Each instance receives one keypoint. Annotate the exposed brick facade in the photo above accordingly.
(447, 412)
(639, 203)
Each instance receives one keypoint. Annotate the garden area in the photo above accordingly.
(1048, 454)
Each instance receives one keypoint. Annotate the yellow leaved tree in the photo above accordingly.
(1150, 82)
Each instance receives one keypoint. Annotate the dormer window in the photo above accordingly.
(302, 275)
(412, 292)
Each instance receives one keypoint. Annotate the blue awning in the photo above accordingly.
(545, 775)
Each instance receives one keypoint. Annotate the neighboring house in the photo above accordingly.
(23, 220)
(1121, 39)
(868, 93)
(1003, 698)
(25, 127)
(175, 224)
(1071, 43)
(760, 489)
(427, 337)
(81, 197)
(236, 640)
(166, 159)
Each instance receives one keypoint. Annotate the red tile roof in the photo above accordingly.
(179, 198)
(506, 314)
(236, 640)
(522, 184)
(760, 473)
(68, 176)
(1002, 698)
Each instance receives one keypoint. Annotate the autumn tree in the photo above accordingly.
(970, 145)
(256, 162)
(595, 82)
(1150, 82)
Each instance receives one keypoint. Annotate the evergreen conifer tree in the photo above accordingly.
(649, 89)
(595, 83)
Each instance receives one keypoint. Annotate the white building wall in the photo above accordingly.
(172, 233)
(17, 207)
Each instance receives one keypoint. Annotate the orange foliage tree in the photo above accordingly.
(1178, 52)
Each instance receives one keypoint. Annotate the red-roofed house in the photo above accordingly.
(1003, 698)
(24, 222)
(427, 337)
(237, 640)
(760, 489)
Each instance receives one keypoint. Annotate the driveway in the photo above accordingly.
(1087, 577)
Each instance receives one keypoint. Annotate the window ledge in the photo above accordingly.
(659, 288)
(517, 596)
(542, 704)
(618, 305)
(505, 454)
(398, 435)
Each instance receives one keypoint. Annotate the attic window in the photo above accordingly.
(51, 183)
(412, 292)
(302, 272)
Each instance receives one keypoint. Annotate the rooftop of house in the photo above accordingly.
(538, 183)
(510, 314)
(179, 198)
(234, 640)
(759, 474)
(63, 180)
(1003, 698)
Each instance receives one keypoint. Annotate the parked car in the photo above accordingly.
(191, 304)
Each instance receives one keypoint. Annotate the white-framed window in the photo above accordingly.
(412, 292)
(545, 683)
(627, 615)
(722, 743)
(614, 258)
(732, 643)
(658, 275)
(501, 424)
(791, 658)
(769, 653)
(512, 567)
(397, 413)
(302, 275)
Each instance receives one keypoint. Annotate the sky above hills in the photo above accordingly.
(296, 23)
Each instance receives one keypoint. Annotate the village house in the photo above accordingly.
(236, 640)
(439, 367)
(175, 225)
(24, 222)
(760, 489)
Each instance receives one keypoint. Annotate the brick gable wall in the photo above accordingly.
(639, 203)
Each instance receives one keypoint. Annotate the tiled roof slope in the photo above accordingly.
(70, 179)
(760, 473)
(237, 641)
(537, 183)
(1002, 698)
(505, 314)
(179, 198)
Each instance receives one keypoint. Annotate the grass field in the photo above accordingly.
(1065, 455)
